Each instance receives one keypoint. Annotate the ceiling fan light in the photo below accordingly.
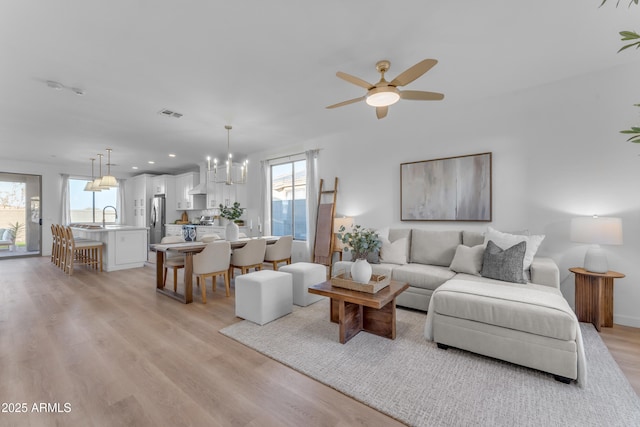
(383, 96)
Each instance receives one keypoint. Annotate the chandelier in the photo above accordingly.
(230, 173)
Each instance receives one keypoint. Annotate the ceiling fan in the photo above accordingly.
(384, 93)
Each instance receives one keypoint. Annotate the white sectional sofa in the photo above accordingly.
(527, 323)
(428, 261)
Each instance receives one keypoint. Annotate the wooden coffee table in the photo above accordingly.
(360, 311)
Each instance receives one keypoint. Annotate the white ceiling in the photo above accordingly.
(265, 67)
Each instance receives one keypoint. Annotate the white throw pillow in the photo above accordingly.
(507, 240)
(394, 253)
(7, 235)
(383, 233)
(468, 259)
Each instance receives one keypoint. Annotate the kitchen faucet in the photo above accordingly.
(105, 208)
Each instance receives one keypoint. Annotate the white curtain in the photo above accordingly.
(120, 201)
(312, 197)
(264, 220)
(65, 203)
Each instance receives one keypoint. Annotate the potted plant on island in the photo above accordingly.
(231, 213)
(361, 242)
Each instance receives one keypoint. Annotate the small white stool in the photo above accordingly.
(263, 296)
(305, 274)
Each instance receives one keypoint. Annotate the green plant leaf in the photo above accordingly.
(629, 35)
(636, 44)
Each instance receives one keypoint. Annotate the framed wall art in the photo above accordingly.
(449, 189)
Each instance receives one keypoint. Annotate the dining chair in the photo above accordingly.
(212, 262)
(249, 256)
(210, 237)
(280, 251)
(172, 261)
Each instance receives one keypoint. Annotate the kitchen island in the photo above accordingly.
(125, 245)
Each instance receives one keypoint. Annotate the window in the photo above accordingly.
(86, 206)
(289, 199)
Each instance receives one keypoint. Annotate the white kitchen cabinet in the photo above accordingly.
(125, 246)
(183, 184)
(163, 184)
(173, 229)
(212, 195)
(141, 190)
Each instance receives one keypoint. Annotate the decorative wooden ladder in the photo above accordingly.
(323, 243)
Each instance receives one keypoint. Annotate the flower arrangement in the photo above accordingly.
(362, 241)
(231, 213)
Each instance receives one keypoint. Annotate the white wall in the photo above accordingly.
(557, 154)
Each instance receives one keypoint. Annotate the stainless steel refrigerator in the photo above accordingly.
(157, 218)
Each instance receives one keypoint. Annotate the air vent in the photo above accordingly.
(169, 113)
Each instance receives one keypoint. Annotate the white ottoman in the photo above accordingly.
(263, 296)
(305, 274)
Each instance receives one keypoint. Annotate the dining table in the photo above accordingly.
(189, 249)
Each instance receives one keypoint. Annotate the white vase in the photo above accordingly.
(361, 271)
(232, 231)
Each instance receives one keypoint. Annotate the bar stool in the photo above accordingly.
(82, 252)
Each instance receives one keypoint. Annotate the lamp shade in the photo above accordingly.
(108, 181)
(91, 187)
(345, 221)
(597, 230)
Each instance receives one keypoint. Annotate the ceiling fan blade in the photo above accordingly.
(355, 80)
(381, 112)
(343, 103)
(413, 73)
(418, 95)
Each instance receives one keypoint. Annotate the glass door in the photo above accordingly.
(20, 215)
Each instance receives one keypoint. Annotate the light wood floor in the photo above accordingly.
(120, 354)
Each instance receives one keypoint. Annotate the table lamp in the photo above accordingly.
(596, 231)
(347, 223)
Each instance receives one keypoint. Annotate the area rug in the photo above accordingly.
(413, 381)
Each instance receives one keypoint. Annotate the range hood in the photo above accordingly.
(202, 187)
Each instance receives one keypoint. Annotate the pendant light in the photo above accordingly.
(108, 181)
(97, 183)
(90, 186)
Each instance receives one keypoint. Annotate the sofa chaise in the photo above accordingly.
(527, 323)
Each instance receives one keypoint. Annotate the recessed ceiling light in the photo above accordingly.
(151, 162)
(171, 155)
(169, 113)
(134, 167)
(54, 85)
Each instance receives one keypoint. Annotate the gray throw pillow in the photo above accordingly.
(504, 264)
(372, 257)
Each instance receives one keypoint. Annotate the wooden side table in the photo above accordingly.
(594, 296)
